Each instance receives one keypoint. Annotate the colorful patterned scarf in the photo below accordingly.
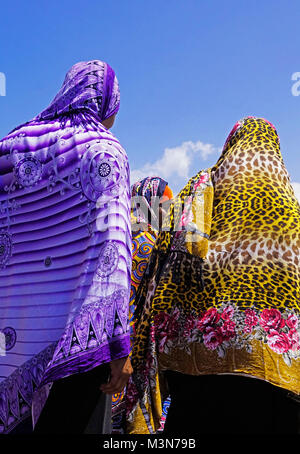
(143, 241)
(142, 244)
(244, 316)
(65, 243)
(145, 197)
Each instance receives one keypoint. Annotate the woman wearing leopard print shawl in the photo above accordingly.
(219, 316)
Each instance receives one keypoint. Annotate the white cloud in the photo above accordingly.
(176, 163)
(296, 187)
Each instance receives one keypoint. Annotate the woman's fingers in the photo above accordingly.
(121, 370)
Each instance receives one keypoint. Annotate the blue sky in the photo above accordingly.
(188, 70)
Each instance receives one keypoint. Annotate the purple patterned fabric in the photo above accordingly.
(65, 248)
(91, 86)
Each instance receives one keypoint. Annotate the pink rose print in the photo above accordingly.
(213, 337)
(292, 321)
(222, 328)
(203, 179)
(227, 313)
(189, 325)
(186, 218)
(187, 215)
(271, 319)
(167, 327)
(279, 343)
(211, 317)
(251, 320)
(294, 339)
(228, 330)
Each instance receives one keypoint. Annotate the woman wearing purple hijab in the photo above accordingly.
(65, 261)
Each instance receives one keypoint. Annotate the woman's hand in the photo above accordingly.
(121, 370)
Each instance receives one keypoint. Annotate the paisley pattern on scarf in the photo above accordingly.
(245, 317)
(65, 249)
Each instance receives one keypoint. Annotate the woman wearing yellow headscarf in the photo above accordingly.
(218, 325)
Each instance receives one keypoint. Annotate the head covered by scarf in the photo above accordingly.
(245, 318)
(149, 187)
(65, 243)
(88, 87)
(143, 239)
(148, 193)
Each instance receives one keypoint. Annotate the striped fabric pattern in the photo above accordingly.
(65, 257)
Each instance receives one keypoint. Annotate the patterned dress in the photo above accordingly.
(142, 244)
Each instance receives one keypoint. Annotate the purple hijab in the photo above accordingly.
(65, 243)
(88, 87)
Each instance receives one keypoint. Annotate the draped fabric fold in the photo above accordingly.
(65, 243)
(143, 239)
(185, 229)
(244, 318)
